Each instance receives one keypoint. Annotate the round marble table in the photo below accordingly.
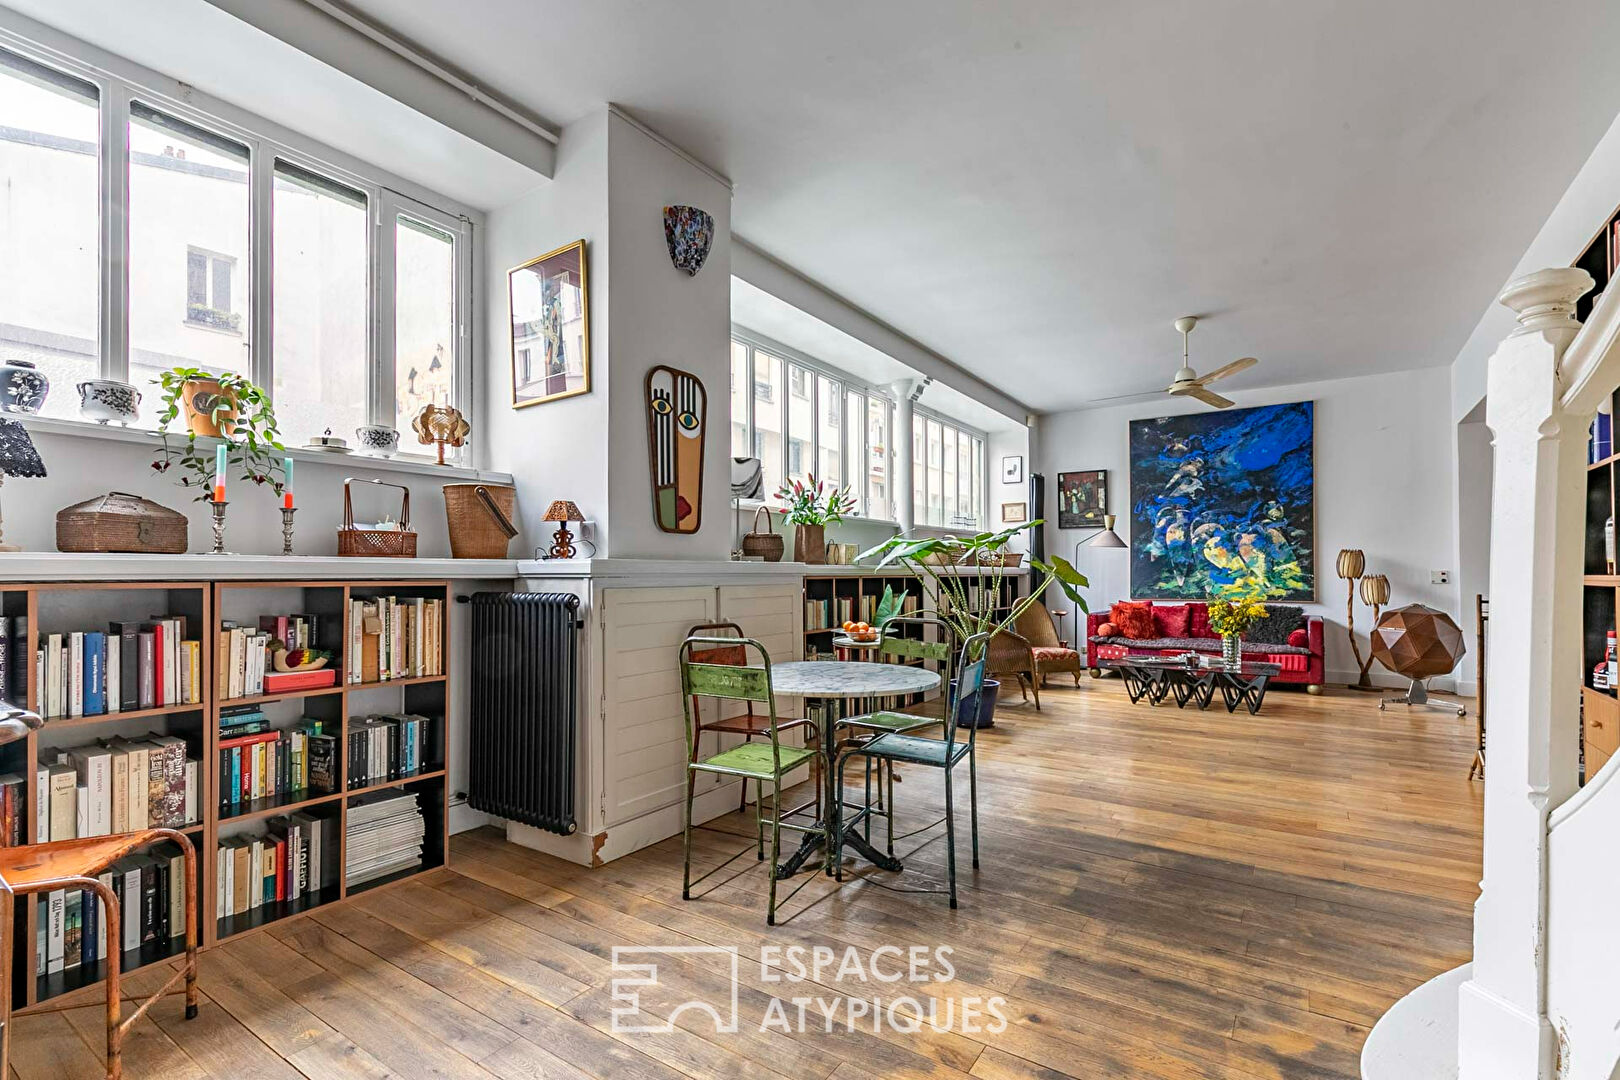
(830, 680)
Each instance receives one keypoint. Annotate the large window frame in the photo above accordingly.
(852, 449)
(120, 82)
(963, 480)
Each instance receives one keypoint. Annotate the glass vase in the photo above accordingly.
(1232, 650)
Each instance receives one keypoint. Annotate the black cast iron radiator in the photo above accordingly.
(525, 651)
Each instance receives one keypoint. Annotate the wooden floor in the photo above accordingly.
(1164, 894)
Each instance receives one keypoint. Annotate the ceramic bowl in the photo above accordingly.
(106, 400)
(377, 441)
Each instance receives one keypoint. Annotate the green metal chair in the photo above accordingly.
(760, 762)
(894, 644)
(942, 753)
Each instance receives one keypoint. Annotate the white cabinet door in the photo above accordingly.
(644, 739)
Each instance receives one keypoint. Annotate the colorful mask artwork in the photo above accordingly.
(676, 403)
(688, 231)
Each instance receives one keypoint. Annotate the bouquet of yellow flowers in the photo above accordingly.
(1236, 608)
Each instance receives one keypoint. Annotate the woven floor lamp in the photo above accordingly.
(1351, 565)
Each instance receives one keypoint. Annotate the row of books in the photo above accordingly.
(257, 761)
(831, 612)
(14, 659)
(113, 786)
(384, 835)
(395, 638)
(130, 665)
(383, 748)
(246, 657)
(294, 856)
(151, 893)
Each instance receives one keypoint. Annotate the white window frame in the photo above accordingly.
(119, 81)
(964, 484)
(849, 434)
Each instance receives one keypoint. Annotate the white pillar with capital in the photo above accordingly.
(903, 391)
(1537, 528)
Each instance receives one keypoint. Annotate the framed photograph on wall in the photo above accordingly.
(551, 337)
(1082, 499)
(1013, 513)
(1012, 469)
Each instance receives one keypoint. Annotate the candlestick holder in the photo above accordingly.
(219, 528)
(287, 513)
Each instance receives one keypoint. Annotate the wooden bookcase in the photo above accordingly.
(64, 607)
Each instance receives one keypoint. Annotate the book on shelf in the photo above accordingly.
(129, 666)
(151, 893)
(111, 786)
(293, 857)
(385, 834)
(14, 659)
(245, 657)
(258, 762)
(395, 747)
(395, 638)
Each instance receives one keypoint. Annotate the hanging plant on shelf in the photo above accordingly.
(234, 407)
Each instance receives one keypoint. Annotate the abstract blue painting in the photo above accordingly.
(1216, 496)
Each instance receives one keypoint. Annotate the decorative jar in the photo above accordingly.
(22, 387)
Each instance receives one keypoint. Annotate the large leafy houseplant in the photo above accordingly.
(242, 412)
(969, 611)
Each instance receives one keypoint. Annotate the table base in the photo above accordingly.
(1155, 683)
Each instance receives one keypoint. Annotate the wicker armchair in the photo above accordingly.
(1031, 651)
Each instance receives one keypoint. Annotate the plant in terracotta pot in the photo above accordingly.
(811, 508)
(239, 413)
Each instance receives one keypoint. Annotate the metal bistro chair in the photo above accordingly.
(761, 762)
(894, 644)
(943, 753)
(749, 723)
(73, 864)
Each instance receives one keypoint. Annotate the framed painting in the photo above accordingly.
(1082, 499)
(551, 334)
(1220, 496)
(1012, 469)
(1013, 513)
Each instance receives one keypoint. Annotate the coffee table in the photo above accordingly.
(1157, 677)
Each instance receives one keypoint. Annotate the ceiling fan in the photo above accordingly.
(1188, 383)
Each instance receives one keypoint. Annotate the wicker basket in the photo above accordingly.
(119, 521)
(765, 545)
(377, 543)
(480, 518)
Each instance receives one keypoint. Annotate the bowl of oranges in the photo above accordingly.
(860, 632)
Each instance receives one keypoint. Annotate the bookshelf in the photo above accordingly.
(208, 608)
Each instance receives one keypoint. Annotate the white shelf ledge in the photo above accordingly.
(21, 566)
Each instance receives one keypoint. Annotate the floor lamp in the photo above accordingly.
(1351, 566)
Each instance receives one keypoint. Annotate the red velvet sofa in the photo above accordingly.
(1301, 664)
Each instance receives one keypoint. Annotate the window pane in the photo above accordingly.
(855, 446)
(978, 479)
(49, 194)
(320, 304)
(829, 432)
(768, 392)
(948, 479)
(189, 253)
(800, 463)
(919, 471)
(424, 318)
(739, 400)
(936, 472)
(877, 459)
(968, 508)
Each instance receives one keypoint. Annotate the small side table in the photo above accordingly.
(1060, 615)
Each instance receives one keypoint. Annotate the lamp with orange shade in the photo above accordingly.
(562, 545)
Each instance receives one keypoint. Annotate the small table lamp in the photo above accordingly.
(562, 545)
(18, 457)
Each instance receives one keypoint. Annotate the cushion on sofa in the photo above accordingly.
(1172, 620)
(1300, 638)
(1108, 629)
(1198, 621)
(1281, 620)
(1135, 621)
(1200, 645)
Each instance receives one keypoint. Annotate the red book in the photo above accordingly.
(281, 869)
(248, 740)
(283, 682)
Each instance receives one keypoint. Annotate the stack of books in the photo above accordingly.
(395, 638)
(144, 665)
(294, 857)
(115, 786)
(151, 895)
(257, 761)
(385, 835)
(245, 655)
(383, 748)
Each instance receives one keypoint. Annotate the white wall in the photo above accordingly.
(1383, 484)
(997, 445)
(1474, 474)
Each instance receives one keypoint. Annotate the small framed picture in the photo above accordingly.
(1082, 499)
(1013, 513)
(1012, 469)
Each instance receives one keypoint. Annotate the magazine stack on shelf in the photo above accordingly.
(385, 835)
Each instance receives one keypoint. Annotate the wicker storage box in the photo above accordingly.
(121, 522)
(397, 543)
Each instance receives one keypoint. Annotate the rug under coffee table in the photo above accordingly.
(1154, 678)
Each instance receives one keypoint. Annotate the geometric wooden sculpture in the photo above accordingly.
(1418, 642)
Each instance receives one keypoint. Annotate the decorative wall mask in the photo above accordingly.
(676, 405)
(688, 231)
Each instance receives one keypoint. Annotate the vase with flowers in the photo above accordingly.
(1234, 610)
(810, 508)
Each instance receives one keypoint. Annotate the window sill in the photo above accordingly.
(422, 465)
(749, 506)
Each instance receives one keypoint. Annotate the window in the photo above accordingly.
(801, 383)
(739, 400)
(947, 473)
(189, 234)
(49, 231)
(829, 431)
(879, 419)
(768, 421)
(347, 301)
(800, 425)
(321, 237)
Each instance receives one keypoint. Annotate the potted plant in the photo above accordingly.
(239, 413)
(810, 508)
(970, 611)
(1234, 608)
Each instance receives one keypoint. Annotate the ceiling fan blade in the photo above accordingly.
(1210, 397)
(1230, 369)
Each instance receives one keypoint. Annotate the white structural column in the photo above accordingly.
(904, 512)
(1537, 524)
